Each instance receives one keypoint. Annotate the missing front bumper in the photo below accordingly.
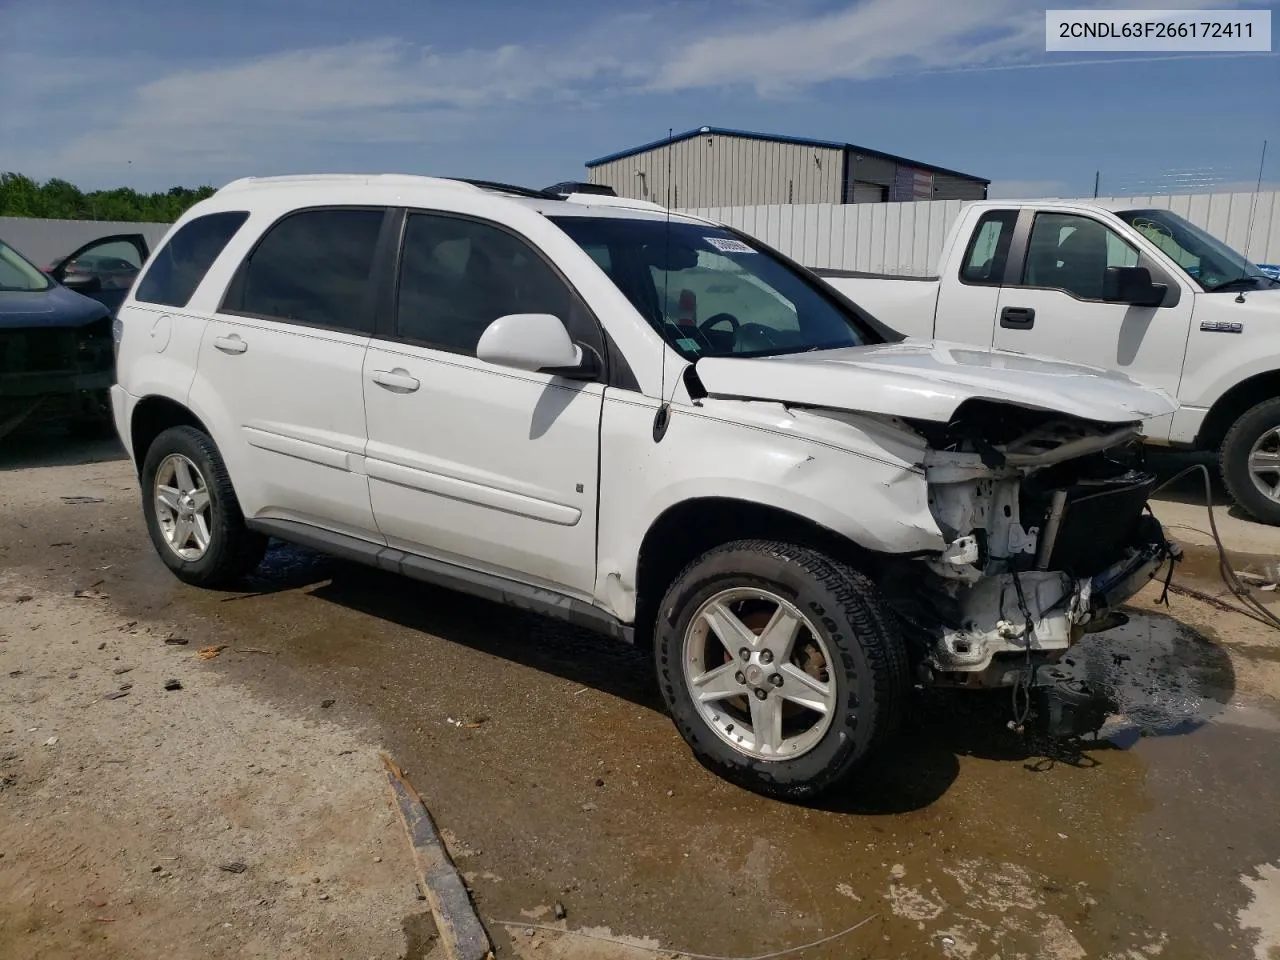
(987, 642)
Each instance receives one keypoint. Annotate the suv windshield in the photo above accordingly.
(18, 275)
(1205, 258)
(712, 294)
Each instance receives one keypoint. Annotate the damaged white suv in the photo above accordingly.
(643, 423)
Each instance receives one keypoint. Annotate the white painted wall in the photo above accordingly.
(907, 238)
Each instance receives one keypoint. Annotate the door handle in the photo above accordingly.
(1017, 318)
(397, 380)
(231, 344)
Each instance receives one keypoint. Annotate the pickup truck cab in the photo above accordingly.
(643, 423)
(1142, 291)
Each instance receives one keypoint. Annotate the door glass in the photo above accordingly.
(988, 251)
(179, 266)
(314, 268)
(1072, 253)
(115, 263)
(457, 276)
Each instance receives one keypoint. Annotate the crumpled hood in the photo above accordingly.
(930, 380)
(55, 307)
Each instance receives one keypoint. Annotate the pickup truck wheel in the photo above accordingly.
(192, 513)
(1251, 461)
(780, 666)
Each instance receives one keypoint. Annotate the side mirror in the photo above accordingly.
(537, 342)
(1132, 285)
(83, 282)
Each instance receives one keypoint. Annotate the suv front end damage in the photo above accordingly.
(1047, 534)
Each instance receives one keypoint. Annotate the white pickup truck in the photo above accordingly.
(1142, 291)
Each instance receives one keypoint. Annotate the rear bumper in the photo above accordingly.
(122, 404)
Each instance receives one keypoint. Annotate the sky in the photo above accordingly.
(155, 93)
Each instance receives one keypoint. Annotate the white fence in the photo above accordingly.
(907, 238)
(42, 241)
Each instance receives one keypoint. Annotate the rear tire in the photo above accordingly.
(192, 513)
(845, 638)
(1251, 461)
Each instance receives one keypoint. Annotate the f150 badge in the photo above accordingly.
(1222, 326)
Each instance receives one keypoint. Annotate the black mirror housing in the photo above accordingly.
(1133, 285)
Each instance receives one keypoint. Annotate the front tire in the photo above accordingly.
(192, 513)
(780, 666)
(1251, 461)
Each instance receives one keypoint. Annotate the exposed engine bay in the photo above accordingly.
(1047, 533)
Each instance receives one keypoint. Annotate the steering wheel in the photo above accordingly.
(759, 332)
(710, 322)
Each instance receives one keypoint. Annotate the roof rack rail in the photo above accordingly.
(507, 188)
(567, 187)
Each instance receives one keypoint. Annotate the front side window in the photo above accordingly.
(1072, 253)
(313, 267)
(712, 294)
(457, 276)
(988, 252)
(19, 275)
(1202, 256)
(179, 266)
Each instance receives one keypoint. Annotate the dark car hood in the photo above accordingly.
(55, 307)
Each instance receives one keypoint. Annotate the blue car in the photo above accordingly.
(57, 360)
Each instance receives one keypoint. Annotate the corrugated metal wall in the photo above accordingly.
(718, 170)
(907, 238)
(44, 240)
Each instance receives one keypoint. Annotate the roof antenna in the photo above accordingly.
(1253, 208)
(663, 417)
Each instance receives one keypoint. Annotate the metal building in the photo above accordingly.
(714, 167)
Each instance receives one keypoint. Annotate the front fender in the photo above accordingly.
(871, 495)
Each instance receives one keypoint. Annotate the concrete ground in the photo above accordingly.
(546, 759)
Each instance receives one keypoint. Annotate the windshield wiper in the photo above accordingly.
(1250, 280)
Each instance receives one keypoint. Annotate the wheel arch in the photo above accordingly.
(154, 414)
(1233, 404)
(689, 528)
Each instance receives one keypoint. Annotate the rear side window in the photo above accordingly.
(179, 266)
(313, 268)
(988, 252)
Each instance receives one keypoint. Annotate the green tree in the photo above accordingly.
(21, 196)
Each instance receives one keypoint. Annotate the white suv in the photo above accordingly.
(641, 422)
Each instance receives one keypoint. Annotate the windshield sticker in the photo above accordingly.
(728, 245)
(684, 343)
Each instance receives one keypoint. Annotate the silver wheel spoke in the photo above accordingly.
(731, 631)
(718, 684)
(168, 497)
(181, 534)
(766, 724)
(779, 636)
(799, 687)
(199, 500)
(182, 474)
(200, 531)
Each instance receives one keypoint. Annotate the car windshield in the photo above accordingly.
(1205, 258)
(17, 274)
(711, 293)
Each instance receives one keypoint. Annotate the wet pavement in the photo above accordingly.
(544, 753)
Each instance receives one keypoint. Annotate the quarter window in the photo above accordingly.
(457, 276)
(1072, 253)
(988, 252)
(179, 266)
(314, 267)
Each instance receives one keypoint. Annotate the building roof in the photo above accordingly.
(799, 141)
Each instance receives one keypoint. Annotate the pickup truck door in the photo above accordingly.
(1053, 304)
(969, 295)
(486, 467)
